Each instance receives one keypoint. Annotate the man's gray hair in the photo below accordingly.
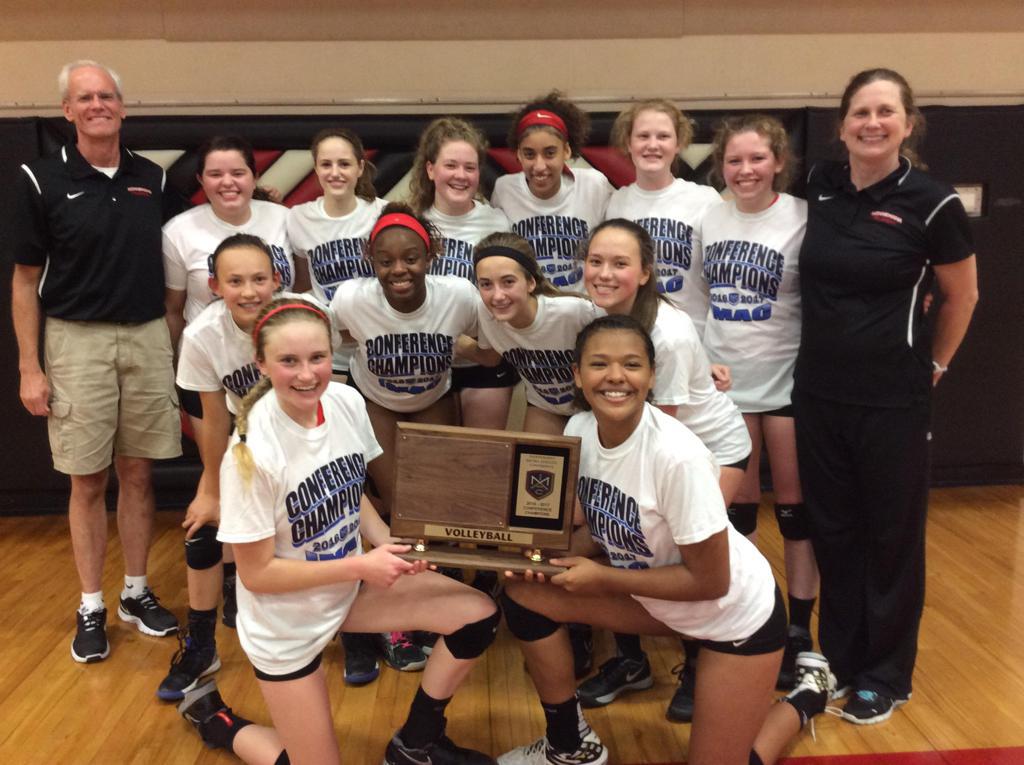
(67, 69)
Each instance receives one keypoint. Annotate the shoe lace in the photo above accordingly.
(92, 620)
(148, 600)
(188, 658)
(400, 640)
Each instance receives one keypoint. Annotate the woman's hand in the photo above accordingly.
(382, 566)
(582, 575)
(201, 511)
(722, 376)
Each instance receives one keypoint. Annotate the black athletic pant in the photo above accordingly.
(864, 472)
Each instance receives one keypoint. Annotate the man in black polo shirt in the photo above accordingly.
(87, 254)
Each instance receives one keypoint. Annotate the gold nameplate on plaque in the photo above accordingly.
(484, 487)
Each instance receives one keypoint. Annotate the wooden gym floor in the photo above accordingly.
(967, 707)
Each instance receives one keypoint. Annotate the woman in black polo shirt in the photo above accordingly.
(879, 233)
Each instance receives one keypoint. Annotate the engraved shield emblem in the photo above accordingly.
(539, 483)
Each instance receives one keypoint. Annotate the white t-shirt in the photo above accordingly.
(751, 266)
(191, 238)
(403, 360)
(217, 355)
(335, 249)
(305, 492)
(558, 227)
(683, 378)
(542, 353)
(461, 234)
(672, 217)
(655, 491)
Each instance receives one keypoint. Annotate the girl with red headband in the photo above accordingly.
(652, 134)
(330, 233)
(294, 509)
(406, 324)
(445, 188)
(552, 207)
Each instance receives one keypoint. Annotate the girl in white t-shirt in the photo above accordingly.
(405, 324)
(652, 134)
(619, 274)
(751, 247)
(330, 233)
(648, 494)
(294, 509)
(217, 363)
(531, 325)
(445, 187)
(552, 207)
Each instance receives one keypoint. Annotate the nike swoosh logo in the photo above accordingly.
(74, 196)
(631, 676)
(738, 643)
(825, 197)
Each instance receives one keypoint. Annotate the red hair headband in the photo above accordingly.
(285, 307)
(403, 220)
(541, 117)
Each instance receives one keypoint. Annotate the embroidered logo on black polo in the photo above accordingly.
(885, 217)
(140, 191)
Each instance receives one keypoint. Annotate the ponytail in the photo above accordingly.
(241, 451)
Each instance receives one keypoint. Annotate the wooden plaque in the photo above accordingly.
(484, 487)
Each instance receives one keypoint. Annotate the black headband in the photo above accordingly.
(529, 265)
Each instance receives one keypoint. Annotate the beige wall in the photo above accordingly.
(208, 58)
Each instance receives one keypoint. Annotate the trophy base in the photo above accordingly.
(488, 560)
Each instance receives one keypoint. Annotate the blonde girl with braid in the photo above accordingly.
(293, 506)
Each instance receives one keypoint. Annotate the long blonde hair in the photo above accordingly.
(275, 314)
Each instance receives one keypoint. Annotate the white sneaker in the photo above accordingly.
(590, 752)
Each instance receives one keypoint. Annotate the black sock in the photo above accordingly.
(690, 649)
(229, 569)
(629, 646)
(564, 724)
(807, 704)
(221, 729)
(800, 612)
(202, 627)
(425, 723)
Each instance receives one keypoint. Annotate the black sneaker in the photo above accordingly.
(200, 706)
(798, 640)
(146, 613)
(444, 751)
(680, 709)
(90, 644)
(425, 640)
(581, 638)
(401, 653)
(189, 665)
(230, 609)
(361, 665)
(870, 707)
(617, 675)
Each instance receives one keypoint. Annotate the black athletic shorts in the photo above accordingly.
(478, 376)
(191, 403)
(740, 464)
(298, 674)
(770, 637)
(784, 411)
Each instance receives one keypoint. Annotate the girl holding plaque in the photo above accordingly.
(293, 506)
(650, 497)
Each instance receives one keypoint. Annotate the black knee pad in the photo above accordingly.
(282, 759)
(743, 517)
(525, 624)
(793, 521)
(755, 758)
(471, 640)
(203, 550)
